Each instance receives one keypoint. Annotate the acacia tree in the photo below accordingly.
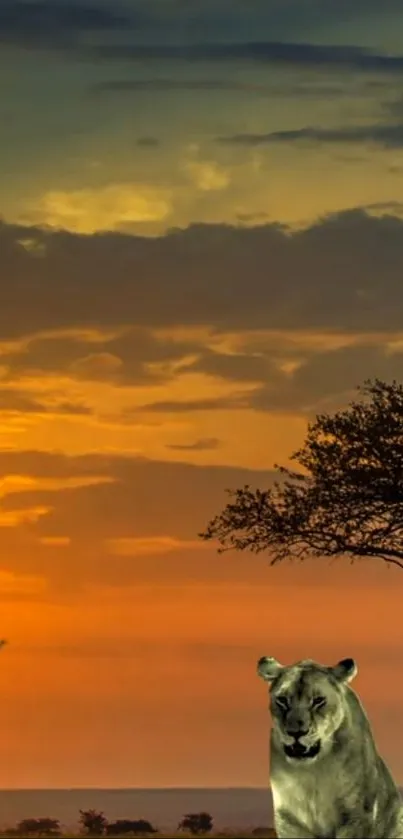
(345, 498)
(196, 823)
(93, 822)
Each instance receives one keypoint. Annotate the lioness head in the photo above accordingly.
(307, 704)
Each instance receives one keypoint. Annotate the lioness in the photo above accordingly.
(327, 778)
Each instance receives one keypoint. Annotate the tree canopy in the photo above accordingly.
(346, 497)
(196, 823)
(93, 822)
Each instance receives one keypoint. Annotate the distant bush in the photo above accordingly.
(38, 827)
(123, 826)
(93, 822)
(196, 823)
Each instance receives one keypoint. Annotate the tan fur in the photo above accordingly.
(327, 779)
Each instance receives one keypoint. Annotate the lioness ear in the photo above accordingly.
(268, 668)
(345, 670)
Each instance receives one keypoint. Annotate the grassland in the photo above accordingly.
(224, 834)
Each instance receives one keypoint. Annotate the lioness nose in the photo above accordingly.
(297, 732)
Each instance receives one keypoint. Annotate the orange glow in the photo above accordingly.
(196, 258)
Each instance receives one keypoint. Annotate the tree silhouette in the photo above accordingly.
(196, 823)
(93, 822)
(38, 827)
(346, 498)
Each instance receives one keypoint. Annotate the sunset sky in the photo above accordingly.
(201, 246)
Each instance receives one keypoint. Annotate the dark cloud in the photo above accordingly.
(388, 136)
(55, 23)
(148, 142)
(18, 401)
(328, 379)
(202, 445)
(128, 359)
(223, 403)
(169, 498)
(39, 464)
(239, 367)
(344, 272)
(164, 85)
(228, 19)
(223, 30)
(312, 88)
(274, 53)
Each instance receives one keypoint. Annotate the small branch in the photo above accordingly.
(390, 561)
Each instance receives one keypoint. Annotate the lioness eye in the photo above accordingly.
(318, 702)
(282, 701)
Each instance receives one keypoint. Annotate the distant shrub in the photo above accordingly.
(196, 823)
(38, 827)
(93, 822)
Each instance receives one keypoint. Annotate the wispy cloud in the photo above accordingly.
(303, 55)
(385, 135)
(202, 445)
(178, 85)
(167, 406)
(19, 401)
(312, 88)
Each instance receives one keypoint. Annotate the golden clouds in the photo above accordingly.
(102, 208)
(142, 374)
(156, 391)
(13, 483)
(29, 515)
(206, 175)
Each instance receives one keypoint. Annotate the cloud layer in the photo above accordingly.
(384, 135)
(55, 24)
(341, 273)
(201, 246)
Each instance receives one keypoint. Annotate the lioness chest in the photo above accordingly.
(316, 802)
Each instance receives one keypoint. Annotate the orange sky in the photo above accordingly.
(196, 257)
(165, 669)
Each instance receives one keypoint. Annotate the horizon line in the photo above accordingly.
(128, 789)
